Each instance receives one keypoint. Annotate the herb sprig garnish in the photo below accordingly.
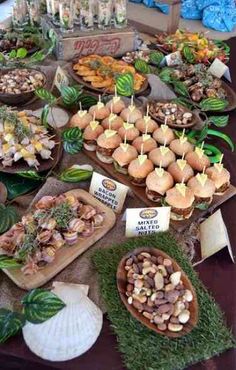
(62, 214)
(20, 130)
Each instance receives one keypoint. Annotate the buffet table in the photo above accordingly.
(217, 273)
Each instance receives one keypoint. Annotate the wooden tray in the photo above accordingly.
(122, 282)
(45, 164)
(231, 96)
(80, 80)
(195, 120)
(141, 194)
(65, 255)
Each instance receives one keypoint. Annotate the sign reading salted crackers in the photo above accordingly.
(145, 221)
(109, 192)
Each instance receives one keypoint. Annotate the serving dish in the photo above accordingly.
(121, 278)
(66, 254)
(16, 99)
(104, 71)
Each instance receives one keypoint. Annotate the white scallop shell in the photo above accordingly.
(68, 334)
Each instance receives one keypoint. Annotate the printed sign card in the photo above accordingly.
(109, 192)
(219, 69)
(61, 79)
(174, 59)
(214, 237)
(145, 221)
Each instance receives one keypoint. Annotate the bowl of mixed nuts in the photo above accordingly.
(17, 85)
(174, 115)
(157, 292)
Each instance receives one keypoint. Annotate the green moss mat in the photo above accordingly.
(143, 349)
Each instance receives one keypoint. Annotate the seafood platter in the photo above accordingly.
(52, 234)
(159, 167)
(25, 143)
(99, 73)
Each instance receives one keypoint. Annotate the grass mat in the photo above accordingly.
(143, 349)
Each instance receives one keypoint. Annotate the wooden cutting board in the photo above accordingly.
(67, 254)
(141, 194)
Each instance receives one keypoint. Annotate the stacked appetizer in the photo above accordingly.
(174, 172)
(54, 222)
(23, 137)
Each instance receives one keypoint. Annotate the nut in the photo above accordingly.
(175, 278)
(130, 300)
(175, 327)
(179, 307)
(174, 320)
(162, 270)
(129, 287)
(146, 255)
(184, 316)
(129, 261)
(148, 315)
(140, 298)
(147, 264)
(138, 284)
(167, 262)
(147, 270)
(158, 302)
(164, 308)
(165, 316)
(158, 319)
(137, 305)
(159, 281)
(188, 295)
(169, 287)
(162, 327)
(172, 296)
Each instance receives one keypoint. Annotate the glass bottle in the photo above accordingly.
(104, 14)
(49, 7)
(86, 15)
(55, 12)
(20, 16)
(34, 12)
(120, 13)
(77, 12)
(66, 14)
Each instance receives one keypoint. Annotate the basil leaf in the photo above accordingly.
(75, 175)
(31, 174)
(17, 185)
(44, 115)
(21, 53)
(10, 323)
(40, 305)
(72, 140)
(219, 121)
(8, 217)
(70, 95)
(180, 88)
(87, 101)
(44, 94)
(7, 262)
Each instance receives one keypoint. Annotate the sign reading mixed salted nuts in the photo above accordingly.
(61, 79)
(109, 192)
(144, 221)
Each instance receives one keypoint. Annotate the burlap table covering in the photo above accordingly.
(81, 270)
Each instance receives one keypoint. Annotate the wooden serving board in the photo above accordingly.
(141, 194)
(67, 254)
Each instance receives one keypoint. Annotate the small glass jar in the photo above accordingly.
(95, 11)
(104, 14)
(49, 7)
(86, 15)
(55, 12)
(66, 14)
(20, 16)
(120, 13)
(34, 12)
(77, 12)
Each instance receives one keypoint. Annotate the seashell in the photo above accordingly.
(98, 219)
(45, 202)
(44, 236)
(49, 225)
(68, 334)
(70, 237)
(77, 225)
(69, 291)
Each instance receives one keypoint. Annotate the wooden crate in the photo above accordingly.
(114, 42)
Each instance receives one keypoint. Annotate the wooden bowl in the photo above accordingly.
(195, 118)
(22, 98)
(122, 282)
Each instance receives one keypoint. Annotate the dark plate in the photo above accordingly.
(22, 98)
(45, 164)
(121, 280)
(195, 119)
(80, 80)
(231, 97)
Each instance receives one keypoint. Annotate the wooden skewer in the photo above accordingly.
(115, 91)
(93, 116)
(80, 106)
(141, 149)
(147, 113)
(204, 169)
(132, 100)
(160, 166)
(125, 139)
(183, 133)
(183, 156)
(221, 158)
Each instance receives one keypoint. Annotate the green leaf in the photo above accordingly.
(213, 104)
(21, 53)
(70, 95)
(224, 137)
(125, 84)
(201, 135)
(40, 305)
(212, 152)
(75, 175)
(188, 54)
(183, 101)
(87, 101)
(8, 217)
(2, 58)
(180, 88)
(72, 140)
(10, 323)
(38, 56)
(17, 185)
(31, 174)
(7, 262)
(219, 121)
(202, 206)
(156, 57)
(166, 75)
(44, 115)
(12, 54)
(142, 66)
(44, 94)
